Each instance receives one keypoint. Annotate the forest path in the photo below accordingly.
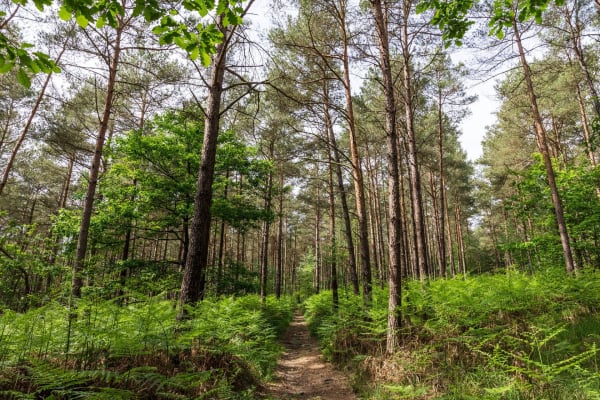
(301, 374)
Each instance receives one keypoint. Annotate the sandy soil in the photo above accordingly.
(302, 374)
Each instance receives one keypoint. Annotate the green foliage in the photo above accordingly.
(351, 330)
(139, 351)
(242, 327)
(450, 17)
(577, 184)
(153, 177)
(199, 40)
(149, 190)
(23, 264)
(453, 19)
(502, 336)
(18, 55)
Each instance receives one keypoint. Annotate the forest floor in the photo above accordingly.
(302, 374)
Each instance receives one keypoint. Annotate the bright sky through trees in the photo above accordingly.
(473, 127)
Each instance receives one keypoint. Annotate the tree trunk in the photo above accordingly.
(343, 199)
(442, 196)
(194, 277)
(317, 238)
(575, 36)
(460, 241)
(222, 239)
(543, 147)
(413, 163)
(264, 248)
(586, 130)
(88, 204)
(372, 200)
(64, 194)
(332, 233)
(280, 240)
(395, 233)
(359, 191)
(25, 131)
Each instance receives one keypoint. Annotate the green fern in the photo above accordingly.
(15, 395)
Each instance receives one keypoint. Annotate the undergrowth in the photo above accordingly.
(504, 336)
(104, 350)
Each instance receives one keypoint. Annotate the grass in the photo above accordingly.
(504, 336)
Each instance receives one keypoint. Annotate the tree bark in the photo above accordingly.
(343, 199)
(88, 204)
(280, 241)
(222, 240)
(395, 233)
(194, 277)
(25, 131)
(332, 233)
(575, 36)
(264, 248)
(413, 163)
(317, 237)
(442, 196)
(586, 130)
(359, 191)
(543, 147)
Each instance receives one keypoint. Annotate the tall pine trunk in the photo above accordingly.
(342, 193)
(359, 186)
(88, 204)
(194, 276)
(395, 233)
(280, 241)
(413, 163)
(542, 143)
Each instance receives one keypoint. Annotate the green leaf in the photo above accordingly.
(140, 6)
(23, 78)
(36, 66)
(64, 13)
(179, 41)
(194, 53)
(222, 7)
(159, 30)
(422, 7)
(39, 4)
(206, 59)
(5, 67)
(82, 21)
(100, 22)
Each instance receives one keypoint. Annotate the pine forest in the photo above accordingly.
(300, 199)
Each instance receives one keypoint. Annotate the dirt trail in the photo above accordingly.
(301, 374)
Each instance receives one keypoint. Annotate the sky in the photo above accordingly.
(482, 115)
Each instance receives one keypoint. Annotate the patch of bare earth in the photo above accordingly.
(302, 374)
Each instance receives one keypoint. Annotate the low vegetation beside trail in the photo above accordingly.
(506, 336)
(139, 351)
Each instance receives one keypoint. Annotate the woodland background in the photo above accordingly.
(352, 193)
